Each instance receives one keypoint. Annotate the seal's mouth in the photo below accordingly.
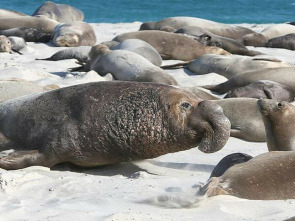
(263, 107)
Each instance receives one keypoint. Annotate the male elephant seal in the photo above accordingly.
(29, 34)
(284, 75)
(245, 118)
(140, 47)
(207, 38)
(279, 122)
(74, 34)
(59, 12)
(5, 44)
(229, 161)
(172, 45)
(263, 89)
(269, 176)
(174, 23)
(272, 31)
(285, 41)
(126, 66)
(229, 66)
(45, 25)
(106, 123)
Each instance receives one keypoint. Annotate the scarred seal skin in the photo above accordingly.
(106, 123)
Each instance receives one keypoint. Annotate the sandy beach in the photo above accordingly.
(162, 188)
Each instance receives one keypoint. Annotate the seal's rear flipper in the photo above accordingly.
(176, 66)
(22, 159)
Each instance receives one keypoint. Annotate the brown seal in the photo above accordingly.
(106, 123)
(74, 34)
(263, 89)
(172, 45)
(269, 176)
(59, 12)
(279, 122)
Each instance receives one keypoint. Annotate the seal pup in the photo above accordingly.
(80, 53)
(17, 44)
(106, 123)
(74, 34)
(171, 45)
(229, 66)
(279, 122)
(285, 41)
(126, 66)
(245, 118)
(229, 161)
(174, 23)
(5, 44)
(263, 89)
(45, 25)
(283, 75)
(207, 38)
(269, 176)
(59, 12)
(28, 34)
(140, 47)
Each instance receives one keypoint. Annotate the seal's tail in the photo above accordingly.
(44, 59)
(176, 66)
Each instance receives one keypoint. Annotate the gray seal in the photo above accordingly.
(126, 66)
(279, 121)
(172, 45)
(263, 89)
(28, 34)
(245, 118)
(59, 12)
(74, 34)
(282, 75)
(106, 123)
(140, 47)
(269, 176)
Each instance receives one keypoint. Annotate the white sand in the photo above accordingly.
(155, 189)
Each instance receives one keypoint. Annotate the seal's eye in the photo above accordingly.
(280, 105)
(186, 105)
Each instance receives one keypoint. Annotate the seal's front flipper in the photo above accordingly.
(22, 159)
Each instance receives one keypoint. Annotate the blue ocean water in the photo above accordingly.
(226, 11)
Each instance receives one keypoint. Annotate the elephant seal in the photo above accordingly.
(229, 161)
(283, 75)
(174, 23)
(263, 89)
(229, 66)
(269, 176)
(279, 120)
(245, 118)
(171, 45)
(4, 13)
(10, 89)
(106, 123)
(285, 41)
(17, 44)
(74, 34)
(59, 12)
(272, 31)
(28, 34)
(80, 53)
(140, 47)
(126, 66)
(45, 25)
(5, 44)
(207, 38)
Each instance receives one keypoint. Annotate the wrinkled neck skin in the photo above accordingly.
(141, 126)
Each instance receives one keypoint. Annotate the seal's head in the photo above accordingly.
(67, 40)
(5, 44)
(279, 121)
(254, 39)
(203, 121)
(97, 50)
